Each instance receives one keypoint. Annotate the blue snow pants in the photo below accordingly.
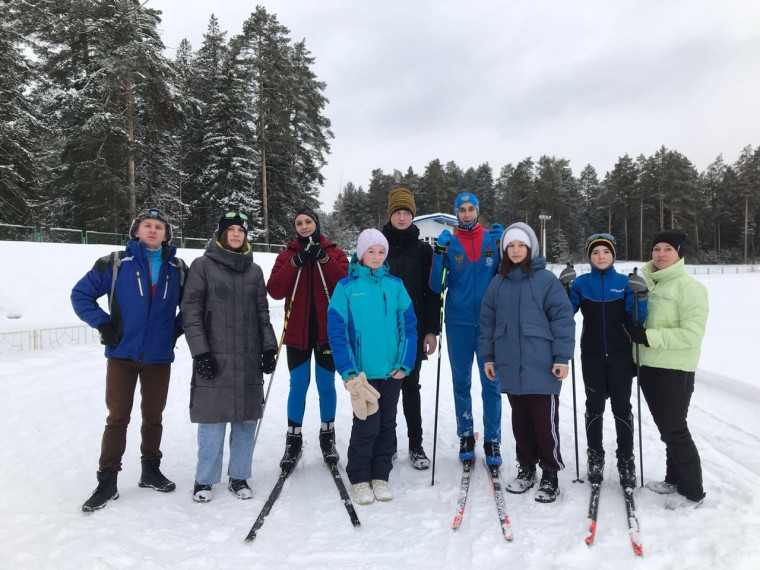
(462, 344)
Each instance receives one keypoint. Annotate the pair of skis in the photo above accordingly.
(498, 495)
(630, 508)
(333, 467)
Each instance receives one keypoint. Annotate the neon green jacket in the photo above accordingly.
(676, 318)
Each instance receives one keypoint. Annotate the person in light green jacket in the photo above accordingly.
(669, 346)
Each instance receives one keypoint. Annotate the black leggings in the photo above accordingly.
(609, 376)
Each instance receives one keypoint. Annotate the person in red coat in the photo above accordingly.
(305, 274)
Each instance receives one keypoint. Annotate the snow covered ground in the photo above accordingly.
(52, 415)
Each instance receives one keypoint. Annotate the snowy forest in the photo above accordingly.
(97, 122)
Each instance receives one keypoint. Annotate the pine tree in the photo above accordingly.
(107, 80)
(291, 133)
(21, 166)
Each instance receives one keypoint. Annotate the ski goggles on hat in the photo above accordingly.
(236, 215)
(154, 214)
(606, 237)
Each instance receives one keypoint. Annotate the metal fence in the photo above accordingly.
(43, 339)
(12, 232)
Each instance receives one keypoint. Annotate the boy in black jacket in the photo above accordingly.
(410, 261)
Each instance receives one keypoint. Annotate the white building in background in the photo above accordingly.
(431, 225)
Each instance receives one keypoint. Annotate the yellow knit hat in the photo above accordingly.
(401, 199)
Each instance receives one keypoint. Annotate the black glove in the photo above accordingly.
(269, 361)
(178, 332)
(317, 253)
(638, 334)
(204, 366)
(108, 334)
(301, 258)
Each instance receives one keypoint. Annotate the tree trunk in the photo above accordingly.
(130, 126)
(641, 229)
(262, 142)
(746, 225)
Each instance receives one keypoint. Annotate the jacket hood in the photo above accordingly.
(531, 234)
(356, 269)
(401, 237)
(233, 260)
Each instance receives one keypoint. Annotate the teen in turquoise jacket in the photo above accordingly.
(373, 334)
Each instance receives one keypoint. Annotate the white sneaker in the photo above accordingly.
(363, 494)
(661, 487)
(677, 502)
(381, 490)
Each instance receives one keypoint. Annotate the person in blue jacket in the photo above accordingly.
(606, 301)
(464, 264)
(139, 335)
(373, 334)
(527, 339)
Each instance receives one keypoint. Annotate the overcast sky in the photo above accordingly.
(410, 81)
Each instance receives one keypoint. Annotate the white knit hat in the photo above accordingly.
(515, 234)
(367, 239)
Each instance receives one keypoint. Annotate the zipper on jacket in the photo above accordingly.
(166, 287)
(604, 317)
(476, 306)
(139, 283)
(385, 304)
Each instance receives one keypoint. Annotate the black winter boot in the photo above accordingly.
(327, 442)
(595, 466)
(105, 491)
(526, 478)
(627, 470)
(548, 490)
(153, 478)
(293, 443)
(417, 455)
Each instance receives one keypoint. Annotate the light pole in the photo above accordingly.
(544, 218)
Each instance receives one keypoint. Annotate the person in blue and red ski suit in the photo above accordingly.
(470, 259)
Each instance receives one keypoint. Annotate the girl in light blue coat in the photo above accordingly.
(373, 334)
(527, 338)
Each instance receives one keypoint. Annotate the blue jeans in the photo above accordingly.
(462, 343)
(211, 450)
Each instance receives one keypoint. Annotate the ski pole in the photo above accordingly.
(438, 376)
(324, 283)
(575, 427)
(279, 347)
(638, 381)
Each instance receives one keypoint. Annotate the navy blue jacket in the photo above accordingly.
(145, 322)
(606, 303)
(527, 326)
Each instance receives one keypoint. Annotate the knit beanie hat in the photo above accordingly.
(465, 198)
(401, 199)
(231, 219)
(601, 239)
(672, 237)
(156, 215)
(367, 239)
(515, 234)
(309, 212)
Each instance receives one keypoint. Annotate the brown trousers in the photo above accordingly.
(121, 381)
